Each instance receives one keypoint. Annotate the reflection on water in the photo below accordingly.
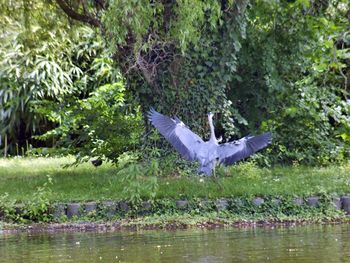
(323, 243)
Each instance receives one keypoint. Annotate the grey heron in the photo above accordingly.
(192, 148)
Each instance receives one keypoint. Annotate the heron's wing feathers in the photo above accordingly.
(175, 132)
(232, 152)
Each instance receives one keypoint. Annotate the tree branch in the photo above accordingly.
(77, 16)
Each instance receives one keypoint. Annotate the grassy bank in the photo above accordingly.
(21, 177)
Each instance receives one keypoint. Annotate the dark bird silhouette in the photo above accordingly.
(209, 153)
(96, 162)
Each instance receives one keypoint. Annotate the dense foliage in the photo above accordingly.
(60, 86)
(83, 79)
(294, 74)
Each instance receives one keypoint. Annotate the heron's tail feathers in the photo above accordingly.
(207, 170)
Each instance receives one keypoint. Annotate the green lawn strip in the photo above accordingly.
(20, 178)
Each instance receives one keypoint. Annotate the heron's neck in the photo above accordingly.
(212, 132)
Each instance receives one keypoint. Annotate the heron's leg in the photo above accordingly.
(216, 178)
(226, 171)
(218, 182)
(213, 166)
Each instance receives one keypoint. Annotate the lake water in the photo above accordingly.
(316, 243)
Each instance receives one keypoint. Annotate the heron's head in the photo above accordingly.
(210, 115)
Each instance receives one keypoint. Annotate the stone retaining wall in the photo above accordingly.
(112, 208)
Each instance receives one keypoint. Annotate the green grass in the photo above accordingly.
(20, 178)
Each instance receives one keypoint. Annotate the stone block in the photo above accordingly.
(258, 201)
(146, 206)
(109, 208)
(205, 204)
(221, 204)
(298, 201)
(58, 211)
(123, 206)
(239, 202)
(181, 204)
(73, 209)
(345, 200)
(90, 207)
(276, 201)
(313, 201)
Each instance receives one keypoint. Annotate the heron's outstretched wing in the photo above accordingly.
(232, 152)
(175, 131)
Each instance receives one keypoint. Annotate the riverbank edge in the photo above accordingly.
(136, 226)
(175, 214)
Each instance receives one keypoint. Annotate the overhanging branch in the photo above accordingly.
(77, 16)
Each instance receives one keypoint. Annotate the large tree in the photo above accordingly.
(160, 47)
